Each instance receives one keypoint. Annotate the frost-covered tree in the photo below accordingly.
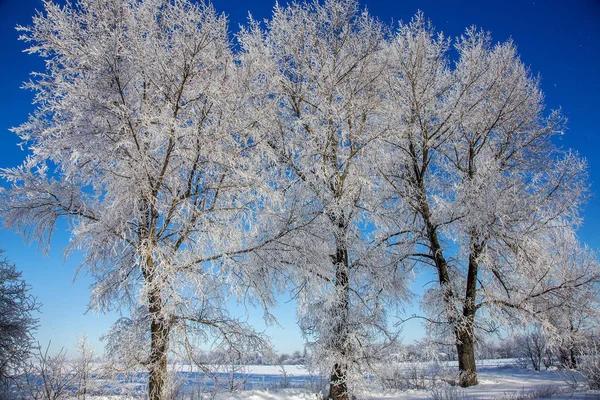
(136, 140)
(17, 322)
(316, 73)
(572, 315)
(489, 201)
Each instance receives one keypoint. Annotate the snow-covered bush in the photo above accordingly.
(50, 375)
(411, 375)
(416, 366)
(17, 323)
(533, 348)
(589, 365)
(543, 392)
(445, 391)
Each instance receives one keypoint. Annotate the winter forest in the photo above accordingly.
(321, 153)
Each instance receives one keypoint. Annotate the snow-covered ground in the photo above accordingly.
(503, 383)
(499, 379)
(500, 383)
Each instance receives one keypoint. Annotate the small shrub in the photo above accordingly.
(543, 392)
(589, 365)
(410, 375)
(445, 391)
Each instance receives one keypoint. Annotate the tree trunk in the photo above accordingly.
(159, 324)
(159, 331)
(338, 386)
(159, 344)
(573, 358)
(466, 359)
(465, 333)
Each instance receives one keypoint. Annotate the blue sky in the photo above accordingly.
(560, 40)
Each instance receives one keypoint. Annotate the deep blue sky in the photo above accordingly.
(560, 40)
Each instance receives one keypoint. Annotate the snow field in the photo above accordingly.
(498, 379)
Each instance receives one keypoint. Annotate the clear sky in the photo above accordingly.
(560, 40)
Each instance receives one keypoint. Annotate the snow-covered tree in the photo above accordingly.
(137, 141)
(571, 315)
(489, 201)
(17, 322)
(316, 73)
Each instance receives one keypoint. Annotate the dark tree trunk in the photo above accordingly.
(159, 324)
(158, 372)
(462, 326)
(466, 359)
(338, 386)
(465, 334)
(159, 344)
(573, 358)
(159, 337)
(464, 329)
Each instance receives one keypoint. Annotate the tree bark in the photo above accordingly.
(159, 342)
(338, 386)
(572, 356)
(466, 358)
(159, 324)
(465, 332)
